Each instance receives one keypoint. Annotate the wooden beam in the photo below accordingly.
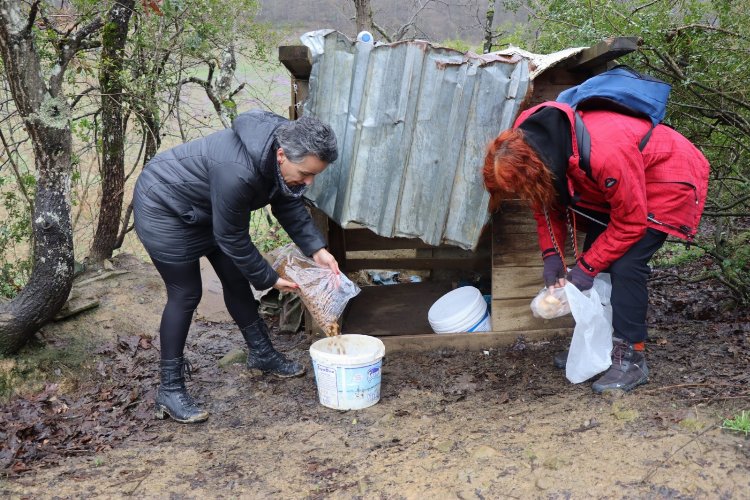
(516, 282)
(467, 341)
(474, 264)
(603, 52)
(513, 218)
(337, 244)
(515, 250)
(364, 239)
(515, 314)
(296, 58)
(300, 89)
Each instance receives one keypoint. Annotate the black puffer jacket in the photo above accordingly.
(199, 195)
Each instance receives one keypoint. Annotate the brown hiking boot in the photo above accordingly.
(628, 369)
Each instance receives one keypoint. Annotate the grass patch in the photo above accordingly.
(39, 364)
(740, 423)
(675, 254)
(266, 232)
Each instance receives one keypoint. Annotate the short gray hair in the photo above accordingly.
(307, 136)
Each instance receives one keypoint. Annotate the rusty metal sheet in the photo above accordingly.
(413, 120)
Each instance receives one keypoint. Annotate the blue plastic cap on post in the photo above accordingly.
(365, 36)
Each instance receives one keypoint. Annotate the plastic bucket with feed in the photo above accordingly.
(348, 370)
(461, 310)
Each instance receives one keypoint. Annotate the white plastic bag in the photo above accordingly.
(591, 346)
(550, 303)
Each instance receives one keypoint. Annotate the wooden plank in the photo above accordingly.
(544, 93)
(418, 264)
(296, 58)
(516, 282)
(515, 250)
(603, 52)
(515, 314)
(468, 341)
(76, 306)
(364, 239)
(394, 309)
(99, 277)
(320, 219)
(522, 250)
(513, 220)
(558, 76)
(300, 90)
(337, 244)
(332, 233)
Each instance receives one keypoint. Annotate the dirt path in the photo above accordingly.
(491, 424)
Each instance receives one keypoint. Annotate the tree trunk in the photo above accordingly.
(363, 15)
(46, 117)
(488, 21)
(114, 37)
(227, 69)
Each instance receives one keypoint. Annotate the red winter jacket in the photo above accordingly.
(663, 187)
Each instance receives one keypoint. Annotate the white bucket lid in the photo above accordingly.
(357, 350)
(457, 310)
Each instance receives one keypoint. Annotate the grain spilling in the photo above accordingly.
(324, 293)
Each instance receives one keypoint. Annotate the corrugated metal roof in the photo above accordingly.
(413, 121)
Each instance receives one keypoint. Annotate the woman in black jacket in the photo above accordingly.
(195, 200)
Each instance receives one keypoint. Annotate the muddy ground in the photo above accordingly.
(499, 423)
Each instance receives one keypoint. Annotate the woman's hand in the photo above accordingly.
(554, 271)
(286, 285)
(580, 278)
(323, 258)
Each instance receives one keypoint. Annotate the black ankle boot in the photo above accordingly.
(262, 356)
(628, 370)
(172, 398)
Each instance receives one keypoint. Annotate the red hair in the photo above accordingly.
(512, 169)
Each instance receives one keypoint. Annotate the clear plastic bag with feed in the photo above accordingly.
(550, 303)
(324, 293)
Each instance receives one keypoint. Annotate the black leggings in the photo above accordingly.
(629, 275)
(184, 287)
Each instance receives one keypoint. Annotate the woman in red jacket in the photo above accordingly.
(628, 203)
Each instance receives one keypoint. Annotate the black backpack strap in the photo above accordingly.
(584, 145)
(645, 139)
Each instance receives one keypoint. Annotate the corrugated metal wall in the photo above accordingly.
(412, 121)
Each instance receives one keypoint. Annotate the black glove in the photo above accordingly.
(580, 279)
(554, 269)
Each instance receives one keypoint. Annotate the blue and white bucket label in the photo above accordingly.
(481, 325)
(347, 387)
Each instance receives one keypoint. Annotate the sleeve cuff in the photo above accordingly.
(586, 267)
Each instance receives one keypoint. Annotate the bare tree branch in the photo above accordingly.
(32, 19)
(68, 47)
(707, 27)
(382, 32)
(79, 96)
(16, 171)
(644, 6)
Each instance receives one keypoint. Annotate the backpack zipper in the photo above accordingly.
(684, 229)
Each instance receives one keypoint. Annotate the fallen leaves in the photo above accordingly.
(51, 425)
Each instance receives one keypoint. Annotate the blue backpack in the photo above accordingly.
(621, 89)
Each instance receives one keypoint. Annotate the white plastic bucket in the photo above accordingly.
(460, 310)
(348, 370)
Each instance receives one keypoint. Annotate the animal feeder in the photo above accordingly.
(413, 120)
